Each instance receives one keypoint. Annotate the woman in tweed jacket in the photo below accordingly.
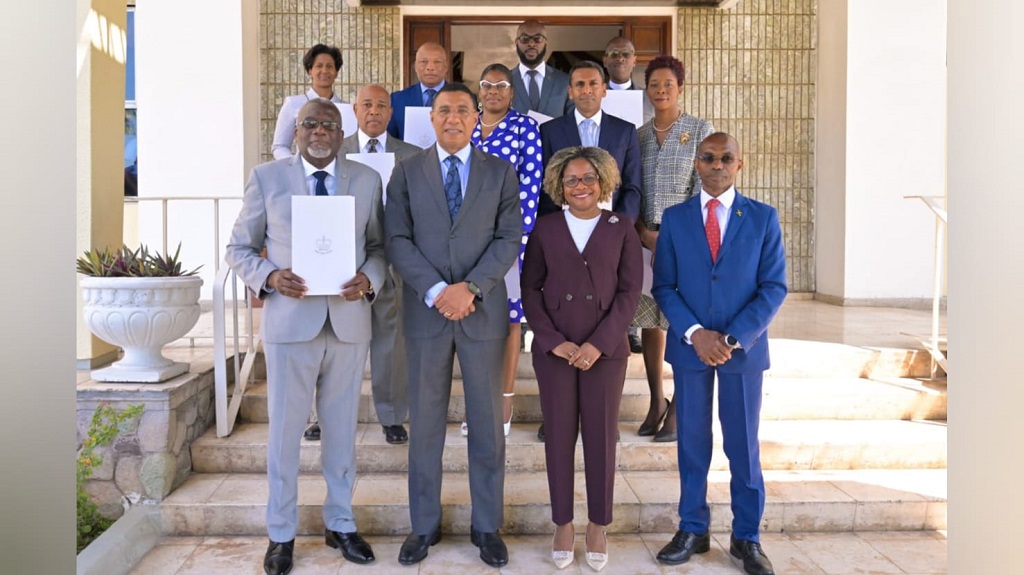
(668, 146)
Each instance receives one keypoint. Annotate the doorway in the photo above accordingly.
(473, 42)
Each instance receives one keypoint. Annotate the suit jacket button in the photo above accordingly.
(713, 278)
(590, 297)
(568, 297)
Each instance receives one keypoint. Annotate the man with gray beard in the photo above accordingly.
(310, 341)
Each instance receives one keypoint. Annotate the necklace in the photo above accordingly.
(486, 125)
(657, 129)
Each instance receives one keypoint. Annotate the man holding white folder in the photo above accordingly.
(311, 341)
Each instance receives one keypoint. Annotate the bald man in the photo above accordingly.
(620, 60)
(431, 68)
(537, 86)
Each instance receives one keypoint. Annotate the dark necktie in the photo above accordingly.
(711, 229)
(430, 96)
(453, 187)
(371, 147)
(533, 90)
(321, 186)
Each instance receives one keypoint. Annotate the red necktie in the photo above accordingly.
(711, 229)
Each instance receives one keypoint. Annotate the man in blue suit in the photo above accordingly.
(431, 67)
(719, 278)
(589, 126)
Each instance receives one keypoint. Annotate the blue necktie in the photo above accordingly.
(430, 93)
(321, 187)
(453, 187)
(588, 129)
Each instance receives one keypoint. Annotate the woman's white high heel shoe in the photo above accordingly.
(508, 424)
(562, 559)
(597, 561)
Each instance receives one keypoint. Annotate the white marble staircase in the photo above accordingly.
(851, 441)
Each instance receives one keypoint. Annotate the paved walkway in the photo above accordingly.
(898, 552)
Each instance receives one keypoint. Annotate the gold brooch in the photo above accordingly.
(613, 220)
(739, 212)
(684, 138)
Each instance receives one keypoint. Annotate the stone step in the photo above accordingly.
(790, 358)
(784, 398)
(785, 445)
(645, 502)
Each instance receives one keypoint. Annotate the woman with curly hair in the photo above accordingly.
(581, 280)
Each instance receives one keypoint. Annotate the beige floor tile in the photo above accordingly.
(198, 488)
(923, 555)
(227, 556)
(532, 556)
(844, 554)
(249, 489)
(165, 559)
(455, 554)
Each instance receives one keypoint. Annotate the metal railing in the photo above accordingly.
(245, 343)
(227, 412)
(937, 204)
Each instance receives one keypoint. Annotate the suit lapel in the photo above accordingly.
(474, 184)
(698, 241)
(297, 177)
(594, 242)
(548, 87)
(572, 129)
(431, 171)
(736, 219)
(342, 179)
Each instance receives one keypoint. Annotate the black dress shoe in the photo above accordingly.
(312, 432)
(635, 345)
(540, 433)
(492, 549)
(755, 562)
(665, 435)
(278, 560)
(352, 546)
(415, 547)
(395, 434)
(683, 545)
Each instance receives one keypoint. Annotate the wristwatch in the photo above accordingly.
(731, 341)
(475, 290)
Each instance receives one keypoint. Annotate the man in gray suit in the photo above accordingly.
(310, 341)
(387, 349)
(537, 86)
(453, 229)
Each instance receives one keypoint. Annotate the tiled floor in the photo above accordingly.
(900, 552)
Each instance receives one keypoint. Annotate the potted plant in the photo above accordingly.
(140, 301)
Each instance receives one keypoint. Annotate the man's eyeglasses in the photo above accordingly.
(535, 38)
(325, 124)
(587, 179)
(501, 86)
(708, 158)
(615, 54)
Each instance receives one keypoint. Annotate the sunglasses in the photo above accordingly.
(527, 38)
(326, 124)
(614, 54)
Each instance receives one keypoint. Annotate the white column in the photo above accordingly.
(100, 60)
(986, 248)
(881, 135)
(197, 89)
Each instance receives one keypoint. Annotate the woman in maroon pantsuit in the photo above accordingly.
(581, 281)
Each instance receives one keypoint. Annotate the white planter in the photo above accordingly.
(141, 315)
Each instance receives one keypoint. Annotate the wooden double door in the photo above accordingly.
(471, 40)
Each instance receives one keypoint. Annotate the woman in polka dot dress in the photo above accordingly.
(509, 135)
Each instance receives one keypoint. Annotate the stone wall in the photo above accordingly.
(369, 39)
(151, 456)
(752, 71)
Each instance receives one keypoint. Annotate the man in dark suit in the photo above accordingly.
(310, 341)
(453, 230)
(387, 349)
(589, 126)
(537, 86)
(619, 60)
(719, 278)
(431, 67)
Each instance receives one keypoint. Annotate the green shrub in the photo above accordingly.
(103, 429)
